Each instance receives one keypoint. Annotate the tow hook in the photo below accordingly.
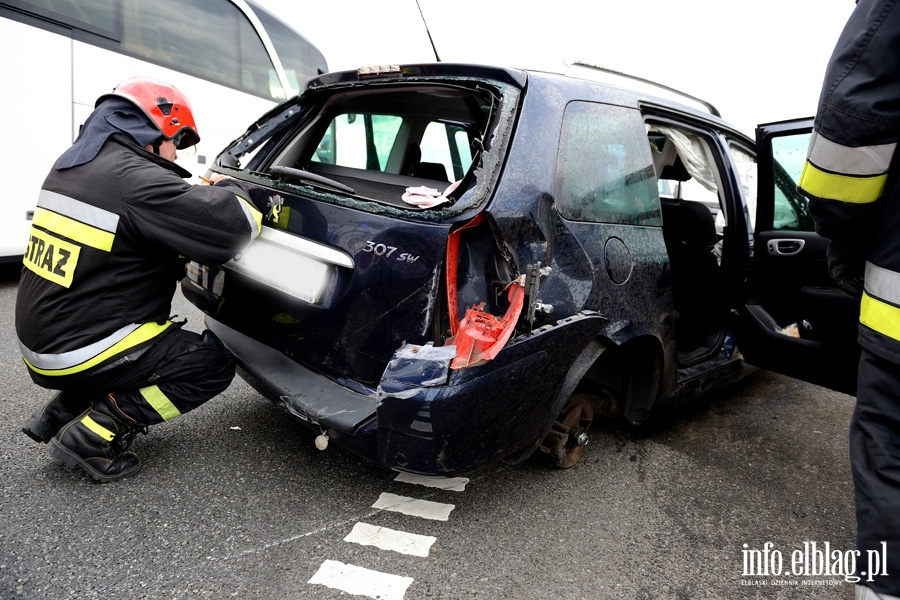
(322, 441)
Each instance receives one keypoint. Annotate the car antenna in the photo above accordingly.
(428, 31)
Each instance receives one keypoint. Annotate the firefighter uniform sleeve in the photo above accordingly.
(856, 129)
(209, 224)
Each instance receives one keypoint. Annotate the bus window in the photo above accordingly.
(99, 16)
(210, 38)
(300, 59)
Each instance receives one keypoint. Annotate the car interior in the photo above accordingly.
(692, 242)
(382, 143)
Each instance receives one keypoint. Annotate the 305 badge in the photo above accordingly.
(51, 258)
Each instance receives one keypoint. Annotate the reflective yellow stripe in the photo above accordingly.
(862, 161)
(253, 215)
(882, 283)
(97, 428)
(155, 398)
(74, 230)
(880, 316)
(830, 186)
(145, 332)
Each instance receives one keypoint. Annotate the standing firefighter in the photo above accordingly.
(851, 178)
(113, 225)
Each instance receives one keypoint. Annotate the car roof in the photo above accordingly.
(630, 90)
(515, 77)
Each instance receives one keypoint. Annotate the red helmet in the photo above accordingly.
(166, 107)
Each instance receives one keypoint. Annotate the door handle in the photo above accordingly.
(785, 247)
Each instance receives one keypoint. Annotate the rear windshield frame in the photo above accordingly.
(270, 140)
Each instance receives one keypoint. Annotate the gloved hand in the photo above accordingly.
(260, 201)
(847, 266)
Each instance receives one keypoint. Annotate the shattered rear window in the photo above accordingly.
(424, 147)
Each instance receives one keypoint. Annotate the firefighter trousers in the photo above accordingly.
(875, 461)
(178, 373)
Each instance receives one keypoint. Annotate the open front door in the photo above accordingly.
(794, 320)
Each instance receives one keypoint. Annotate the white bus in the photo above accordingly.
(231, 58)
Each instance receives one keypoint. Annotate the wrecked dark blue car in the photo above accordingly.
(464, 264)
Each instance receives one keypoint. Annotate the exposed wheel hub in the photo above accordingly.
(568, 436)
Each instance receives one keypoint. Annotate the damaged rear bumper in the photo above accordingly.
(425, 417)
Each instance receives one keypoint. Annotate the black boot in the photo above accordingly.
(49, 418)
(97, 442)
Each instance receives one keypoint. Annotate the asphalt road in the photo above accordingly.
(234, 501)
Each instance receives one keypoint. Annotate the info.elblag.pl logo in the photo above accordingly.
(812, 560)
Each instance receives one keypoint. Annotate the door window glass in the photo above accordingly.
(791, 207)
(604, 168)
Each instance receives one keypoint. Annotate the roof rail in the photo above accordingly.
(712, 109)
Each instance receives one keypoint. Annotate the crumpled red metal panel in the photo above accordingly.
(480, 336)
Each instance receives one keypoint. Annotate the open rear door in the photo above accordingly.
(794, 320)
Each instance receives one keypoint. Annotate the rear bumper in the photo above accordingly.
(308, 396)
(424, 417)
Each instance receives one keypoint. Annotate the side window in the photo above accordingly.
(604, 169)
(360, 141)
(791, 207)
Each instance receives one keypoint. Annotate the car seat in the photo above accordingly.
(414, 167)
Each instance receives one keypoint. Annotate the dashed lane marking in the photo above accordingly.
(386, 586)
(391, 539)
(362, 582)
(452, 484)
(424, 509)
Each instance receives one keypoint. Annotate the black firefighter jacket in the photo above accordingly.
(852, 167)
(107, 245)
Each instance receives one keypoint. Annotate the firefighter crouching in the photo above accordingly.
(851, 178)
(114, 224)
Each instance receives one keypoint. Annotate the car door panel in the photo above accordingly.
(795, 320)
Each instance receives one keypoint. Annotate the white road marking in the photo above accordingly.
(452, 484)
(416, 508)
(391, 539)
(361, 582)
